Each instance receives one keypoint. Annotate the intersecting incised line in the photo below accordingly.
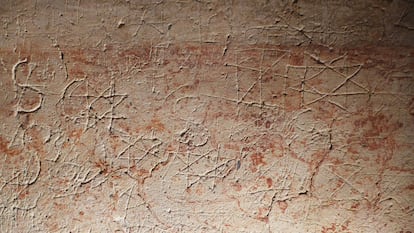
(92, 117)
(333, 92)
(240, 98)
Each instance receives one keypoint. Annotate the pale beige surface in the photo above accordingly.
(206, 116)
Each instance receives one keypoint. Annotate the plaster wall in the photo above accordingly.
(206, 116)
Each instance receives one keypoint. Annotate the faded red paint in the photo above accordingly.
(103, 166)
(23, 194)
(76, 134)
(4, 148)
(262, 214)
(237, 186)
(283, 205)
(269, 182)
(257, 159)
(231, 146)
(327, 229)
(36, 142)
(204, 67)
(156, 124)
(296, 59)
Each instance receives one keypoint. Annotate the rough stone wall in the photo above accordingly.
(206, 116)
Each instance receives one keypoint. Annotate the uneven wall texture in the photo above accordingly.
(206, 116)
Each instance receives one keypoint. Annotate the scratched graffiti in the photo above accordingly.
(176, 116)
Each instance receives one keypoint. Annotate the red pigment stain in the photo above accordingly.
(53, 227)
(317, 158)
(76, 134)
(283, 206)
(36, 141)
(237, 186)
(263, 219)
(410, 187)
(142, 174)
(344, 226)
(247, 149)
(199, 190)
(339, 183)
(260, 216)
(355, 205)
(103, 166)
(296, 59)
(4, 148)
(269, 182)
(232, 147)
(163, 163)
(125, 127)
(156, 125)
(329, 229)
(377, 124)
(257, 159)
(171, 148)
(23, 194)
(76, 71)
(59, 206)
